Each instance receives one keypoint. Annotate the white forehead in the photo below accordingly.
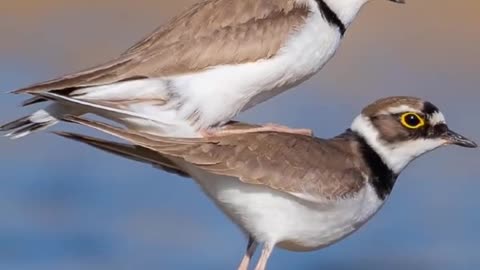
(437, 118)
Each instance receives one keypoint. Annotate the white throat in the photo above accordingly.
(396, 156)
(346, 10)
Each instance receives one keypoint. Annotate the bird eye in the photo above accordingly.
(412, 120)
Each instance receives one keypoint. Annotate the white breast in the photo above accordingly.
(275, 217)
(203, 99)
(222, 92)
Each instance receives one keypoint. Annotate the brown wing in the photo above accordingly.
(214, 32)
(285, 162)
(318, 169)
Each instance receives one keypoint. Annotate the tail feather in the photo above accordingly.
(27, 129)
(24, 126)
(15, 124)
(130, 119)
(33, 100)
(89, 106)
(144, 105)
(131, 152)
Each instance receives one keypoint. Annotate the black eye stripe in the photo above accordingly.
(403, 133)
(439, 130)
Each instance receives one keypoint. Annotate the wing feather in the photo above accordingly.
(132, 152)
(286, 162)
(211, 33)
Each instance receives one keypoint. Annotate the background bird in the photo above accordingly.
(197, 72)
(291, 191)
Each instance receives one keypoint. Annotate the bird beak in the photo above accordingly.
(399, 1)
(454, 138)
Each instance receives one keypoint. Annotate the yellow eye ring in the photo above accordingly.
(412, 120)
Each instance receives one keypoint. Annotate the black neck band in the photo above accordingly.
(382, 178)
(331, 16)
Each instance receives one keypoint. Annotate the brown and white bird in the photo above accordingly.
(291, 191)
(197, 72)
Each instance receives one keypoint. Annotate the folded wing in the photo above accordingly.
(298, 165)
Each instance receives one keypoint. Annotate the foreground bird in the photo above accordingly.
(296, 192)
(201, 69)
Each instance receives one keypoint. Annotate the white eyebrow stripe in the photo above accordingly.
(437, 118)
(400, 109)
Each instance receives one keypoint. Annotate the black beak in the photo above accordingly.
(454, 138)
(399, 1)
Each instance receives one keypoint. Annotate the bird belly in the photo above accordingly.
(290, 222)
(183, 104)
(218, 94)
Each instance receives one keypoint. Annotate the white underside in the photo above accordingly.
(218, 94)
(223, 92)
(285, 220)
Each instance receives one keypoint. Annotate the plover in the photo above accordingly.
(197, 72)
(291, 191)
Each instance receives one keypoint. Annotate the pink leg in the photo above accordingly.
(264, 128)
(266, 252)
(251, 247)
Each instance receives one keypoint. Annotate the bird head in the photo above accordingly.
(401, 129)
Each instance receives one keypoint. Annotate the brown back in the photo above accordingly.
(211, 33)
(316, 168)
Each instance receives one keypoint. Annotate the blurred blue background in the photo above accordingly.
(67, 206)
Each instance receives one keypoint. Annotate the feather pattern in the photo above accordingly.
(205, 66)
(281, 161)
(133, 152)
(283, 189)
(202, 37)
